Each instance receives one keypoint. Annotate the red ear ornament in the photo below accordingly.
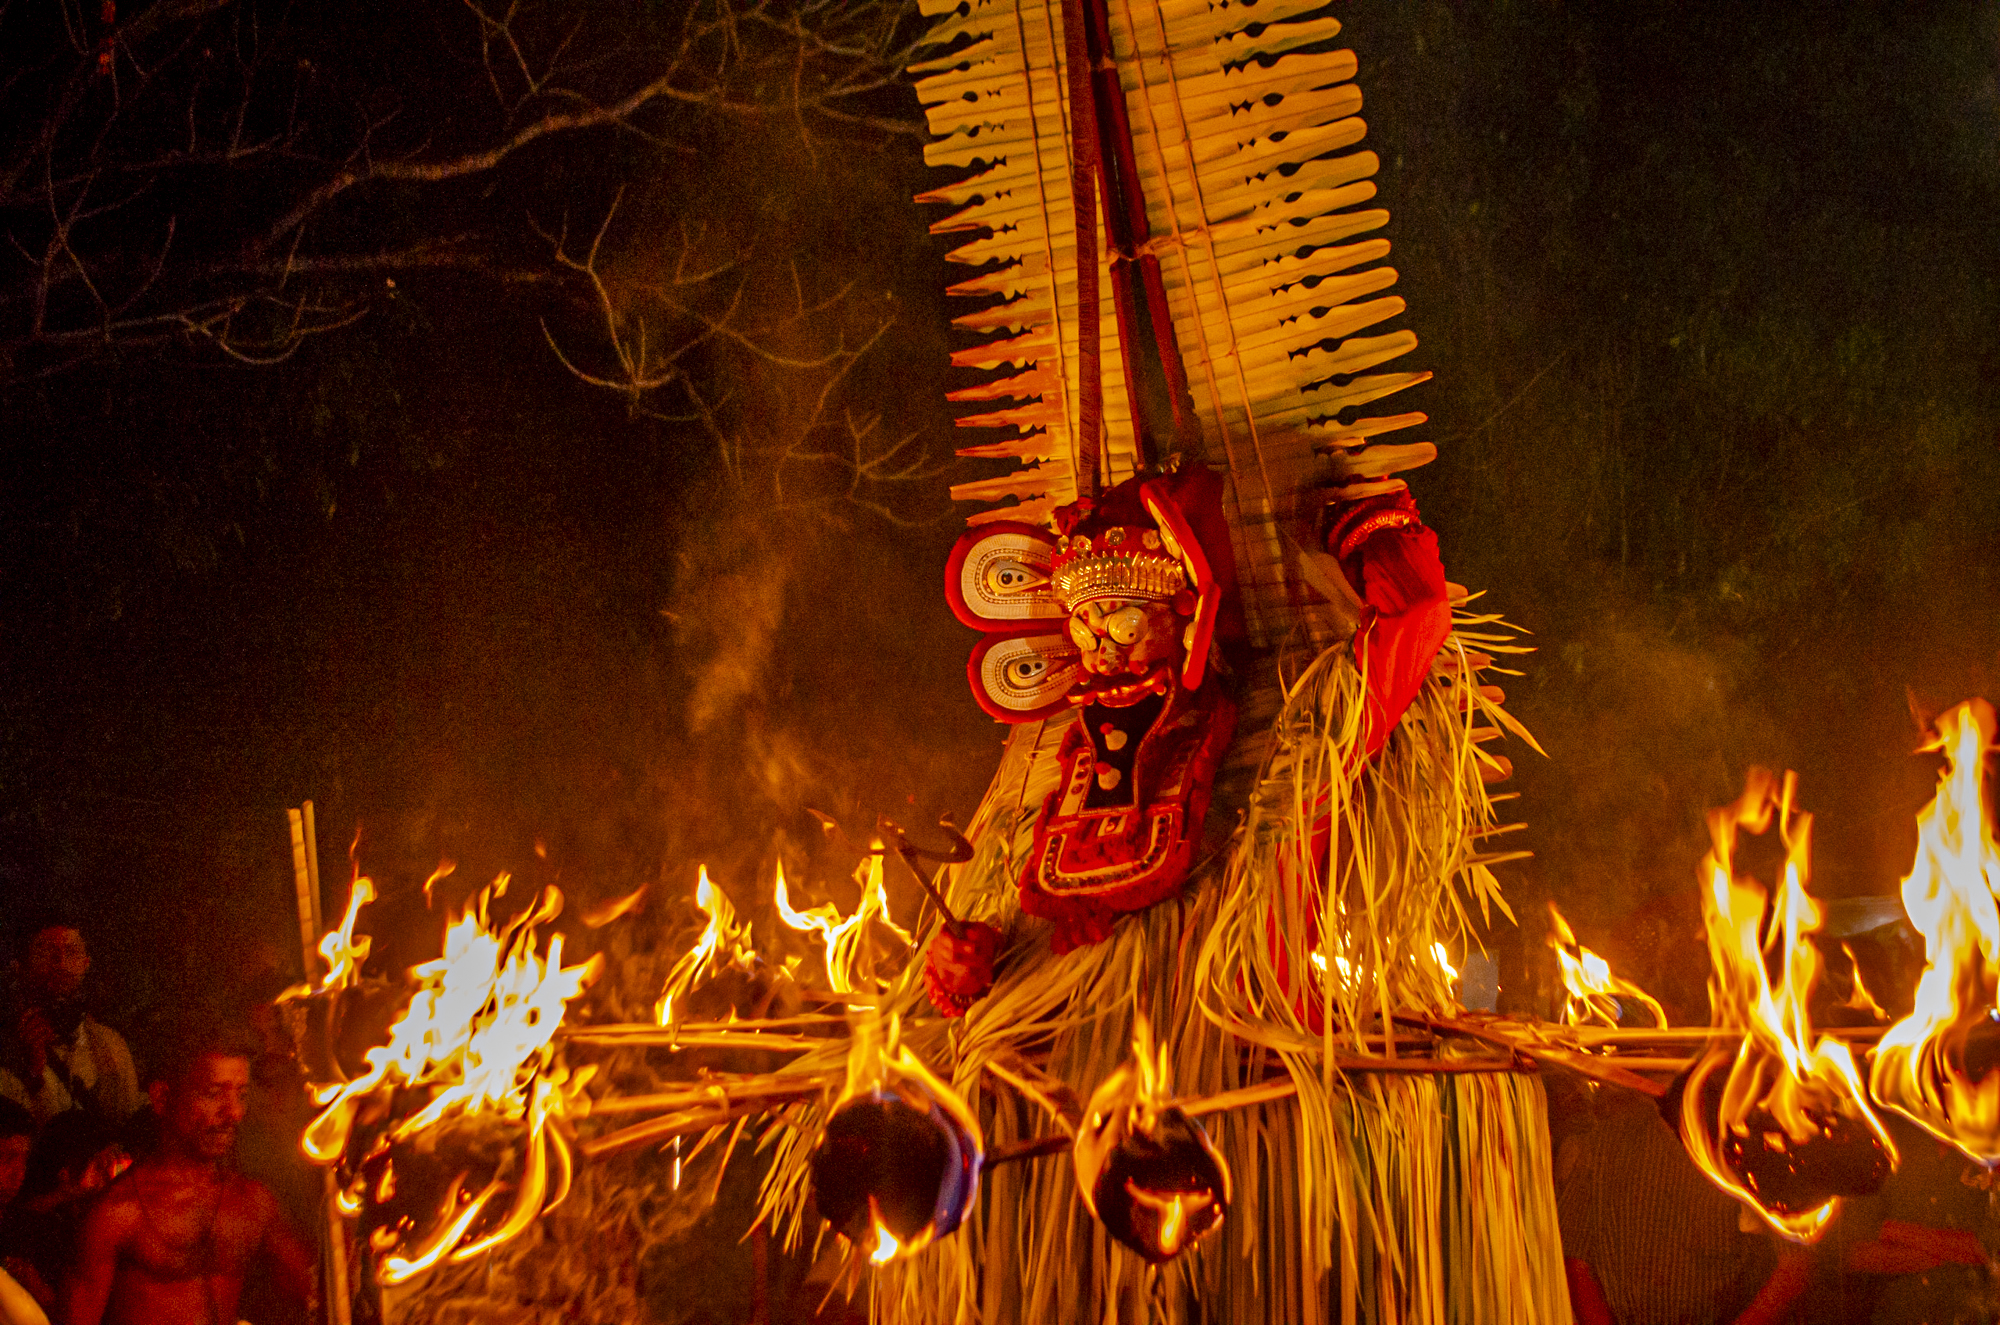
(1179, 537)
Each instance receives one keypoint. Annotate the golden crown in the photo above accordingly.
(1120, 562)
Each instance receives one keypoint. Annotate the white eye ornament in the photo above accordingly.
(1026, 671)
(1126, 625)
(1006, 576)
(1082, 635)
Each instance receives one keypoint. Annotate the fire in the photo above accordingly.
(847, 953)
(343, 952)
(897, 1164)
(886, 1247)
(1790, 1130)
(726, 940)
(476, 1043)
(1860, 1000)
(1921, 1067)
(1591, 992)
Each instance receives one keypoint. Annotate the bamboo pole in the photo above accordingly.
(649, 1030)
(667, 1127)
(1592, 1035)
(305, 880)
(666, 1037)
(1585, 1065)
(717, 1093)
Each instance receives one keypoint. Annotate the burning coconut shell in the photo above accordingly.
(888, 1166)
(898, 1162)
(1144, 1167)
(1788, 1175)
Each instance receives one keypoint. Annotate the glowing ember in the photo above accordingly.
(725, 941)
(1788, 1129)
(1921, 1066)
(847, 951)
(1592, 994)
(475, 1045)
(898, 1164)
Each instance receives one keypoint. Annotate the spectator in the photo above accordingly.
(60, 1057)
(17, 1301)
(77, 1156)
(173, 1238)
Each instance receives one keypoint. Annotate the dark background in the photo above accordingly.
(1710, 291)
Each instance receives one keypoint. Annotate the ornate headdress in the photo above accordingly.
(1145, 540)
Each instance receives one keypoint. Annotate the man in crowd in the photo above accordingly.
(19, 1286)
(170, 1242)
(76, 1156)
(60, 1057)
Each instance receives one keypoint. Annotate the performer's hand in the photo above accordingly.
(958, 968)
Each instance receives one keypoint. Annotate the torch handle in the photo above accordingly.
(914, 860)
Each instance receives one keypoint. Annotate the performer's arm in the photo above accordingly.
(1391, 559)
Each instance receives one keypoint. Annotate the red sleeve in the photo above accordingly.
(1391, 559)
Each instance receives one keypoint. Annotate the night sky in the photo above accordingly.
(1709, 289)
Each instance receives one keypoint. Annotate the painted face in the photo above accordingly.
(205, 1109)
(56, 964)
(1122, 636)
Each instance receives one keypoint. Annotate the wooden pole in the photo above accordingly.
(305, 880)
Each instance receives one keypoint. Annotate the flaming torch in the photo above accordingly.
(1777, 1121)
(1144, 1166)
(1922, 1066)
(470, 1079)
(899, 1163)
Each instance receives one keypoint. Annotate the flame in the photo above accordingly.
(342, 952)
(726, 940)
(1174, 1208)
(1920, 1068)
(601, 916)
(1442, 956)
(476, 1040)
(444, 870)
(847, 952)
(1860, 1000)
(1591, 992)
(1779, 1094)
(886, 1247)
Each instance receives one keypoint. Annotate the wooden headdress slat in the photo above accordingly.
(1245, 147)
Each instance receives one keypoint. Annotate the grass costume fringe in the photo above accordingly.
(1367, 1197)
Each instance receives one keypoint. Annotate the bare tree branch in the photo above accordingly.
(131, 154)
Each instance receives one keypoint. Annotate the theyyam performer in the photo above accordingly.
(1234, 842)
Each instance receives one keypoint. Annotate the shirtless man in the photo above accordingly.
(170, 1241)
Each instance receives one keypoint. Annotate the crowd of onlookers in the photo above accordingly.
(132, 1197)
